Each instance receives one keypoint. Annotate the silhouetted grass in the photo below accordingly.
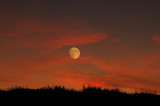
(61, 90)
(50, 95)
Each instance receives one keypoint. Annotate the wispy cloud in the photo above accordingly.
(125, 75)
(32, 33)
(156, 38)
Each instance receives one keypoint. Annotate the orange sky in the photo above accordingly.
(119, 43)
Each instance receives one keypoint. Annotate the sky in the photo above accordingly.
(119, 41)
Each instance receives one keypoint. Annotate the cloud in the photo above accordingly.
(114, 40)
(62, 71)
(33, 33)
(126, 76)
(150, 63)
(156, 38)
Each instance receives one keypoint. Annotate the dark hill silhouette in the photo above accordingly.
(48, 96)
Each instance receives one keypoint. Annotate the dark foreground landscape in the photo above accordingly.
(48, 96)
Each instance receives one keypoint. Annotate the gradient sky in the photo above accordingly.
(119, 42)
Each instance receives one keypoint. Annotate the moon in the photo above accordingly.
(74, 53)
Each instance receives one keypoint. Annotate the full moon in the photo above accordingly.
(74, 53)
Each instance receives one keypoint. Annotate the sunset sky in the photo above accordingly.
(119, 41)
